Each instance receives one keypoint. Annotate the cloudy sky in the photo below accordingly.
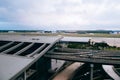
(60, 14)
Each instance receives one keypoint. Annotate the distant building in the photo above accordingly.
(54, 32)
(47, 31)
(11, 31)
(60, 31)
(115, 32)
(40, 31)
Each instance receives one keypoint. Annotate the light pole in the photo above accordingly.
(91, 71)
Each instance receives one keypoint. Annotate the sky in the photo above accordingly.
(59, 14)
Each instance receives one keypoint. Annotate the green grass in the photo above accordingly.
(65, 34)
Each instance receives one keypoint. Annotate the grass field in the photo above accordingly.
(65, 34)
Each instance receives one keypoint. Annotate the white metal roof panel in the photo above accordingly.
(13, 65)
(26, 38)
(10, 65)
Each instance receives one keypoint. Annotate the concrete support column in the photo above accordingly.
(91, 71)
(25, 77)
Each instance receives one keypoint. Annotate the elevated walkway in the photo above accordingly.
(68, 72)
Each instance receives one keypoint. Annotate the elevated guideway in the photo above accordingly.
(101, 57)
(109, 69)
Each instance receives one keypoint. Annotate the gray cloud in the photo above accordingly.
(68, 13)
